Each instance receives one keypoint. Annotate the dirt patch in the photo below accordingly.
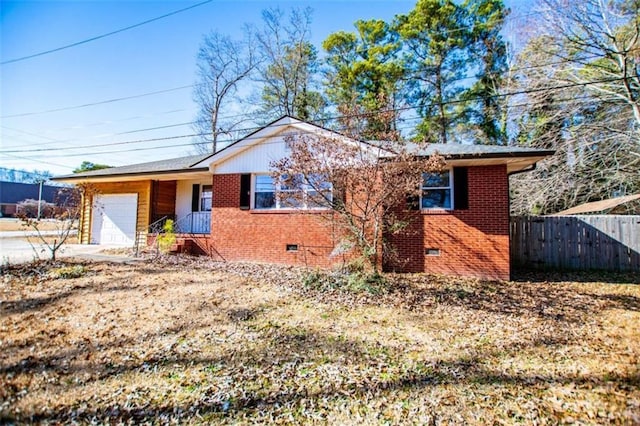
(203, 342)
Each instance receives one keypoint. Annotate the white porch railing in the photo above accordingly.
(194, 223)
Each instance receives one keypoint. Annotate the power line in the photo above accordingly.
(24, 114)
(251, 129)
(57, 141)
(102, 145)
(37, 161)
(157, 92)
(27, 133)
(193, 85)
(78, 43)
(155, 128)
(54, 141)
(562, 61)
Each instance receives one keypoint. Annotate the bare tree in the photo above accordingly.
(223, 64)
(582, 85)
(600, 41)
(287, 71)
(65, 219)
(360, 184)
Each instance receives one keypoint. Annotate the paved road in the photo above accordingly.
(18, 234)
(15, 248)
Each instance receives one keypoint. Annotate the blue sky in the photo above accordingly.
(154, 57)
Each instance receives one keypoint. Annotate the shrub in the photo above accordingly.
(29, 208)
(67, 272)
(352, 282)
(168, 236)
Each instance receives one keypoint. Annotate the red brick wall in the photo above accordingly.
(472, 242)
(261, 235)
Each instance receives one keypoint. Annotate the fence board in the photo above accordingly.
(606, 242)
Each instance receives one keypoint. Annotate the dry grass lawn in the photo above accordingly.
(9, 224)
(195, 342)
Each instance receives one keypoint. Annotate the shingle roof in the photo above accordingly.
(172, 164)
(458, 150)
(186, 164)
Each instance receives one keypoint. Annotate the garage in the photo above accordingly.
(114, 219)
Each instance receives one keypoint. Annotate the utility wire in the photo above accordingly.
(58, 141)
(108, 101)
(36, 160)
(53, 142)
(444, 32)
(78, 43)
(101, 145)
(157, 92)
(193, 85)
(251, 129)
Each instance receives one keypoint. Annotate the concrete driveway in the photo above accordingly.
(15, 248)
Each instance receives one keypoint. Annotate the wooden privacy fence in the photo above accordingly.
(607, 242)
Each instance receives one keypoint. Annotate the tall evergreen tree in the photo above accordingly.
(455, 56)
(489, 53)
(434, 36)
(364, 69)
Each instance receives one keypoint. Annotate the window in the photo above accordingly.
(318, 192)
(206, 196)
(265, 192)
(201, 197)
(291, 193)
(436, 190)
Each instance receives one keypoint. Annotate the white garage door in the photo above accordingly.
(114, 219)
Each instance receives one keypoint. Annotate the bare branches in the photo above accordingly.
(67, 215)
(223, 64)
(593, 127)
(360, 185)
(289, 62)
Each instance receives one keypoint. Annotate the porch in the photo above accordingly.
(186, 202)
(194, 223)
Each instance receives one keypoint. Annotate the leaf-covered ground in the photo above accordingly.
(195, 342)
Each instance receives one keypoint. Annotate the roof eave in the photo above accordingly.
(132, 176)
(471, 156)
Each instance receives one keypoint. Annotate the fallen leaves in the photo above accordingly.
(190, 340)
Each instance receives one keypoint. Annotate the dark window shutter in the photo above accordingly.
(195, 198)
(245, 192)
(460, 188)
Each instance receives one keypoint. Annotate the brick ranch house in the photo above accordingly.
(224, 205)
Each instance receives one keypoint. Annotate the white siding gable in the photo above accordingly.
(256, 158)
(256, 152)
